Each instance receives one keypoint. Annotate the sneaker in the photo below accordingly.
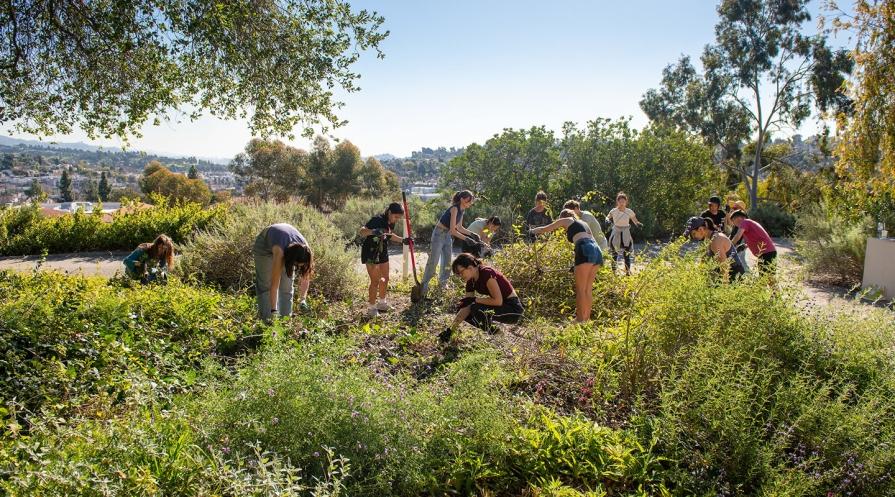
(445, 336)
(382, 305)
(372, 311)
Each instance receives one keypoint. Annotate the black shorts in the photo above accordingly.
(482, 316)
(376, 253)
(767, 262)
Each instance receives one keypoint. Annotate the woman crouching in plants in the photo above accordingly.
(151, 261)
(500, 303)
(280, 250)
(720, 247)
(374, 254)
(588, 259)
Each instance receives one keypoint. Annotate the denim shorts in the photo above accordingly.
(588, 252)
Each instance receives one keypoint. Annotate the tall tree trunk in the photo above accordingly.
(756, 168)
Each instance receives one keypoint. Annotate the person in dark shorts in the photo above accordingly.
(715, 213)
(758, 240)
(588, 259)
(374, 254)
(279, 251)
(501, 303)
(720, 248)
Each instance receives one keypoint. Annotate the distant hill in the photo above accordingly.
(13, 142)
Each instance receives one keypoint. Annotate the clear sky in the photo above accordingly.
(458, 72)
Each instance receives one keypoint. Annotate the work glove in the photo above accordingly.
(407, 240)
(304, 306)
(474, 237)
(465, 302)
(377, 232)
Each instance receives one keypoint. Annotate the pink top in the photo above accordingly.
(757, 239)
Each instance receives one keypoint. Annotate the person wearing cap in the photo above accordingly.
(720, 247)
(591, 221)
(757, 239)
(714, 212)
(733, 205)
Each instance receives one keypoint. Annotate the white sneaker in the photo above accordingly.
(372, 312)
(382, 305)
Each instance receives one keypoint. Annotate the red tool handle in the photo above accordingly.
(409, 233)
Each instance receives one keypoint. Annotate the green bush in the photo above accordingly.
(153, 452)
(833, 245)
(356, 212)
(74, 342)
(401, 438)
(221, 254)
(775, 220)
(83, 231)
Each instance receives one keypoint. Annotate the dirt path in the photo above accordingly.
(86, 263)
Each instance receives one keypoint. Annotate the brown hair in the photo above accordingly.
(621, 195)
(460, 195)
(465, 260)
(568, 213)
(738, 213)
(571, 204)
(540, 196)
(494, 221)
(161, 249)
(296, 254)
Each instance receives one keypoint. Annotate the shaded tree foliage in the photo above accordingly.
(109, 67)
(65, 191)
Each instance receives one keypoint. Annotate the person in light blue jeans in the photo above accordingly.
(280, 251)
(449, 226)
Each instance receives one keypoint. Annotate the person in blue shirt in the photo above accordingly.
(280, 251)
(150, 261)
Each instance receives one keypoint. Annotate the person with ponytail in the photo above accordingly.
(448, 227)
(280, 251)
(150, 261)
(500, 303)
(374, 254)
(720, 247)
(588, 259)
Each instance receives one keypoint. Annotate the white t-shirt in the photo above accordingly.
(621, 219)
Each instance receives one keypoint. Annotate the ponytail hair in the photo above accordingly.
(621, 195)
(393, 208)
(461, 195)
(709, 224)
(465, 260)
(297, 254)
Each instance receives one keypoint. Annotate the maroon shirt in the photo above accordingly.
(481, 285)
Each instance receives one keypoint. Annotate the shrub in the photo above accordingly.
(70, 341)
(833, 245)
(82, 231)
(222, 253)
(402, 438)
(775, 220)
(356, 212)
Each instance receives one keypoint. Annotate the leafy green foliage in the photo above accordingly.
(832, 244)
(661, 170)
(173, 187)
(221, 253)
(26, 232)
(107, 68)
(775, 220)
(80, 343)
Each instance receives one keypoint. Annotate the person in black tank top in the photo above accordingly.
(448, 227)
(720, 248)
(588, 259)
(374, 254)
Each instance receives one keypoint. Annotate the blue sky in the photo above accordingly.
(458, 72)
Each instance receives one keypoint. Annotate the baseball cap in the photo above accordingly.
(714, 199)
(693, 223)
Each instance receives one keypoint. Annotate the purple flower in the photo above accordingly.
(275, 420)
(225, 450)
(270, 392)
(316, 454)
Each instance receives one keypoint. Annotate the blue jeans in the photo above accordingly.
(441, 249)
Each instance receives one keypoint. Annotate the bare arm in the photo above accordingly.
(495, 298)
(737, 237)
(563, 222)
(457, 229)
(635, 220)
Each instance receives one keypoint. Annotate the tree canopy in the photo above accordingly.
(109, 67)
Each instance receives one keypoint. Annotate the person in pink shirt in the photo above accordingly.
(757, 239)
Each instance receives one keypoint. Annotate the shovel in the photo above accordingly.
(416, 293)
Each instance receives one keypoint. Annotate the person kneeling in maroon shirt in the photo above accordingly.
(500, 303)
